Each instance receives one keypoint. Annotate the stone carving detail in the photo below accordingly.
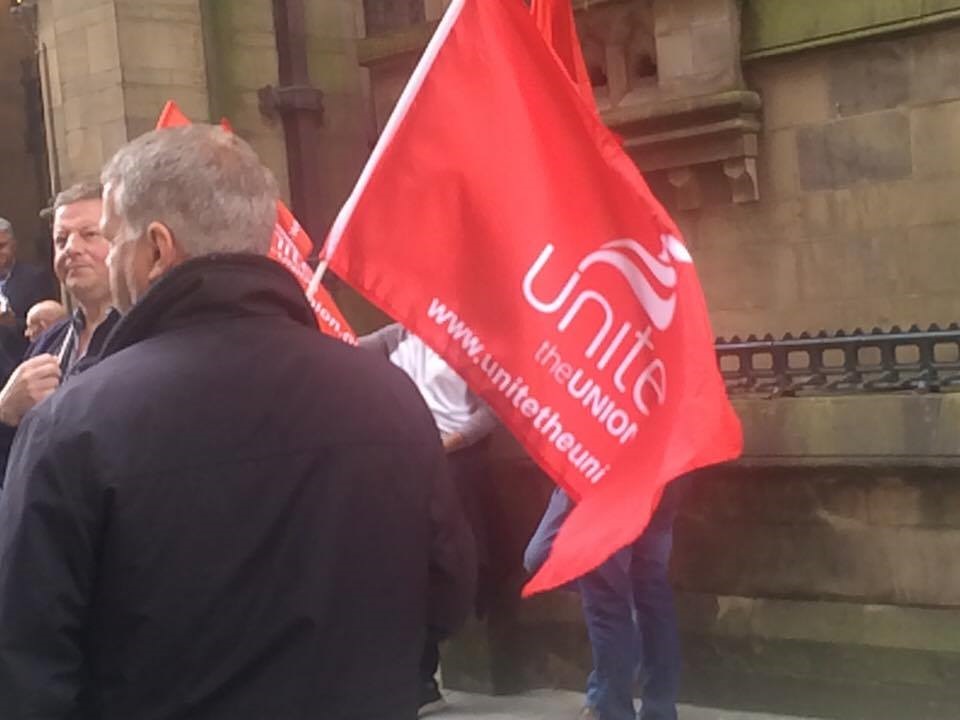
(666, 75)
(620, 50)
(668, 80)
(742, 173)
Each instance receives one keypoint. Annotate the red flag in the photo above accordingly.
(289, 246)
(172, 116)
(500, 221)
(555, 20)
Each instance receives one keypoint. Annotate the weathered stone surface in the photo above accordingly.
(113, 65)
(850, 659)
(794, 90)
(869, 76)
(935, 132)
(936, 66)
(821, 533)
(757, 276)
(929, 262)
(848, 430)
(383, 16)
(872, 147)
(779, 164)
(23, 190)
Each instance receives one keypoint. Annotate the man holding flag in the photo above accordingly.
(540, 266)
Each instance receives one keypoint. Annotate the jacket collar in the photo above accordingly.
(212, 288)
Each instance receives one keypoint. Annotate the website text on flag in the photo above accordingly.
(502, 222)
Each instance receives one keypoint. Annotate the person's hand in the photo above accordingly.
(452, 441)
(31, 382)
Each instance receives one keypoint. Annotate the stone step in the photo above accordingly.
(559, 705)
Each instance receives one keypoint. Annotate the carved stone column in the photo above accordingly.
(108, 68)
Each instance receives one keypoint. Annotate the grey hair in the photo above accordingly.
(206, 185)
(6, 226)
(90, 190)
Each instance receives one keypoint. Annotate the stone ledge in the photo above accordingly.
(935, 630)
(377, 49)
(893, 430)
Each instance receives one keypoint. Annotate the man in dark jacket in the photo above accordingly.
(229, 516)
(22, 286)
(80, 263)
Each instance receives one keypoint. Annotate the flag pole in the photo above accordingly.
(386, 137)
(317, 278)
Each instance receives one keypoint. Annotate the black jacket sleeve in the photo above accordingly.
(49, 527)
(453, 557)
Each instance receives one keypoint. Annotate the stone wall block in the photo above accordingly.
(869, 76)
(94, 108)
(756, 276)
(72, 54)
(935, 74)
(935, 140)
(84, 155)
(91, 84)
(779, 164)
(873, 147)
(161, 45)
(69, 16)
(102, 47)
(929, 261)
(839, 559)
(675, 56)
(795, 91)
(713, 49)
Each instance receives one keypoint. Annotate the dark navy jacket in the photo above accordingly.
(51, 341)
(229, 517)
(27, 285)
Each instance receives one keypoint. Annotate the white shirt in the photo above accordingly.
(454, 407)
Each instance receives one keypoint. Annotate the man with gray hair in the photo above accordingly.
(230, 515)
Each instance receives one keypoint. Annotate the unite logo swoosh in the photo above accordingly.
(634, 262)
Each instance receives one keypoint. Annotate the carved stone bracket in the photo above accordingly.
(687, 186)
(275, 101)
(668, 80)
(742, 173)
(692, 135)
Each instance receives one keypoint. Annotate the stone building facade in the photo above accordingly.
(24, 178)
(810, 152)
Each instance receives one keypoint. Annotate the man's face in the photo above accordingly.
(8, 251)
(129, 260)
(80, 250)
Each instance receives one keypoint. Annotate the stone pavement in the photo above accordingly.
(556, 705)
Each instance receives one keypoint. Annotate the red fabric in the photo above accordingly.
(172, 116)
(554, 18)
(290, 245)
(500, 221)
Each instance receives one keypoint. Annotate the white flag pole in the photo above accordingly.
(400, 111)
(317, 278)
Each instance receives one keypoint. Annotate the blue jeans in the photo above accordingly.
(629, 611)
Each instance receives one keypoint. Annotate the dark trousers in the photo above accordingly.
(628, 608)
(631, 620)
(468, 471)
